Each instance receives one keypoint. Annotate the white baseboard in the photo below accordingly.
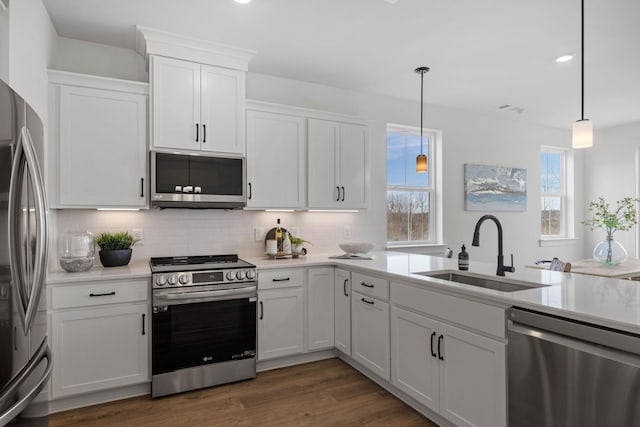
(298, 359)
(98, 397)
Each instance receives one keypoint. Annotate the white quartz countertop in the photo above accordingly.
(609, 302)
(135, 270)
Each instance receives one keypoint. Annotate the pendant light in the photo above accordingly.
(421, 159)
(583, 128)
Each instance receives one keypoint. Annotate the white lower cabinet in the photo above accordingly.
(457, 373)
(99, 348)
(319, 312)
(280, 322)
(370, 333)
(342, 309)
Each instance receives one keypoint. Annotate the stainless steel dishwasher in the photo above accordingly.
(565, 373)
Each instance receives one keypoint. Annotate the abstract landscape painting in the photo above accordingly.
(494, 188)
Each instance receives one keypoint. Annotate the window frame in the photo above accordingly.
(432, 142)
(566, 194)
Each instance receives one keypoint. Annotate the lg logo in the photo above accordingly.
(207, 358)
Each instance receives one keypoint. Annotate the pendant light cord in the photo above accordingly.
(421, 106)
(582, 57)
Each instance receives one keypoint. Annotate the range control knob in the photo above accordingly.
(251, 274)
(183, 279)
(173, 279)
(161, 280)
(230, 275)
(240, 275)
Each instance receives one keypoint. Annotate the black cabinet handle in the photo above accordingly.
(250, 191)
(433, 353)
(343, 192)
(344, 287)
(338, 188)
(204, 133)
(367, 301)
(286, 279)
(106, 294)
(440, 339)
(197, 132)
(261, 310)
(366, 285)
(141, 187)
(143, 324)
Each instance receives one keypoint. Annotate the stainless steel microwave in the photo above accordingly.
(180, 180)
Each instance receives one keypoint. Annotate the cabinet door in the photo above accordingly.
(175, 95)
(99, 348)
(319, 313)
(107, 128)
(353, 166)
(280, 322)
(415, 367)
(222, 94)
(342, 304)
(276, 160)
(370, 333)
(323, 188)
(472, 379)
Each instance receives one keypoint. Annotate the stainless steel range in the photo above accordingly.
(204, 326)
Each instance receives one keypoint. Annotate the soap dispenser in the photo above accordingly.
(463, 259)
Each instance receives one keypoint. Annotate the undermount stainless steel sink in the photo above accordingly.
(481, 281)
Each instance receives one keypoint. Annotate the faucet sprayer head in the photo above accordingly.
(476, 239)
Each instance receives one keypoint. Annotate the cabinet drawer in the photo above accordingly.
(281, 278)
(473, 315)
(98, 293)
(370, 285)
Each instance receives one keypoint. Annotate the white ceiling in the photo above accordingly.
(482, 54)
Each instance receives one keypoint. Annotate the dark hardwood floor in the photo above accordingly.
(325, 393)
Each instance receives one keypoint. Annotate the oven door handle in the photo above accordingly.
(248, 291)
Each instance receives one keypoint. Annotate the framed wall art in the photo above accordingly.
(495, 188)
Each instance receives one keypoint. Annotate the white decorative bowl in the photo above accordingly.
(356, 247)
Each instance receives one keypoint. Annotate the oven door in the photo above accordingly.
(194, 330)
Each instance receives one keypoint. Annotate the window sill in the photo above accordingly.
(558, 241)
(421, 248)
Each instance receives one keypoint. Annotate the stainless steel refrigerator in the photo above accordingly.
(25, 358)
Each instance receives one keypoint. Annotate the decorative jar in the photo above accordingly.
(76, 251)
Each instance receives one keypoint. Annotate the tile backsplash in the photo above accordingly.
(173, 232)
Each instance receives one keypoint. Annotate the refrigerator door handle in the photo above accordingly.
(10, 390)
(29, 279)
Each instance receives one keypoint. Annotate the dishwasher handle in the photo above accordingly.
(577, 344)
(583, 331)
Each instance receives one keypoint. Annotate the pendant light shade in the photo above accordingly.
(583, 128)
(421, 163)
(421, 159)
(582, 134)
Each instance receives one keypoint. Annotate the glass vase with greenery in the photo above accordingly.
(621, 218)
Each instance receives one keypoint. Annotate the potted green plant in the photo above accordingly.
(622, 218)
(296, 245)
(115, 248)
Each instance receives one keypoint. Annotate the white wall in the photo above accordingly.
(79, 56)
(610, 167)
(468, 138)
(32, 39)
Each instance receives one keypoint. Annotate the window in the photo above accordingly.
(411, 197)
(554, 200)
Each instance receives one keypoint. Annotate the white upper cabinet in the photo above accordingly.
(98, 142)
(338, 160)
(196, 107)
(276, 172)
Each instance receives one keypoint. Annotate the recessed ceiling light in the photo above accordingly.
(242, 1)
(566, 57)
